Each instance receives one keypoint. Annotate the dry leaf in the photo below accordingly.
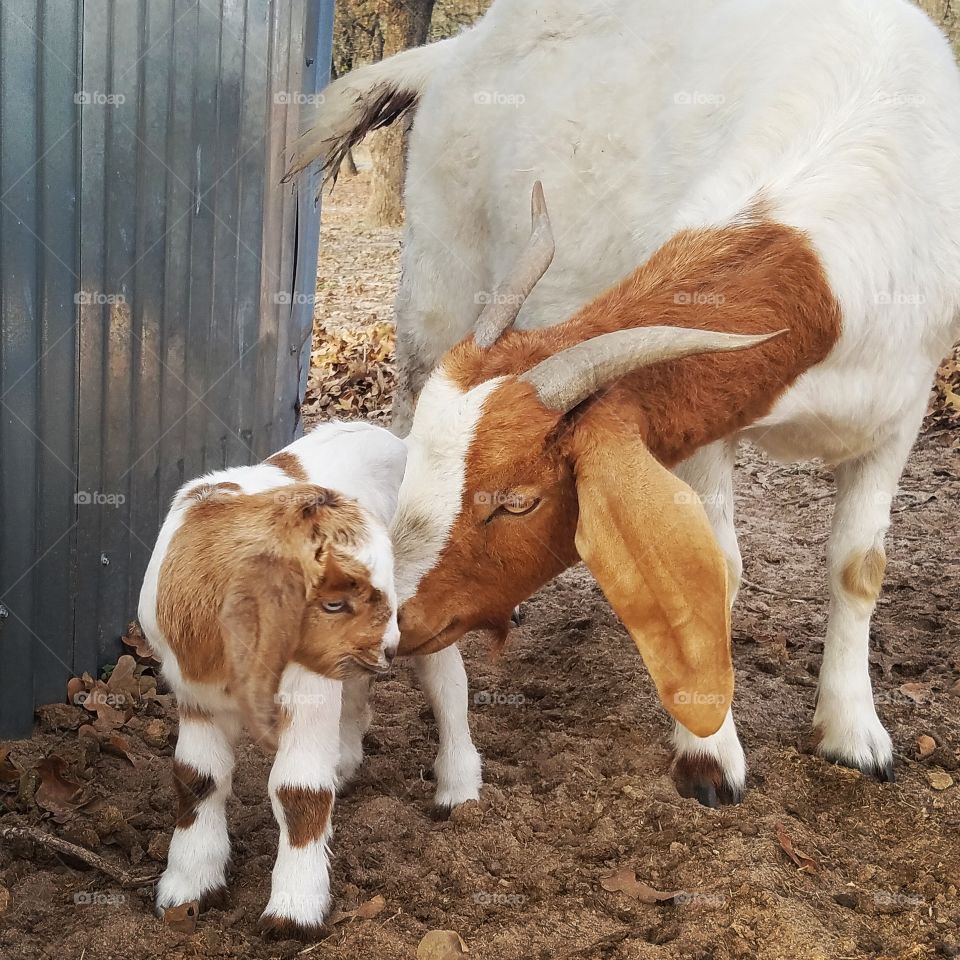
(57, 793)
(366, 911)
(939, 779)
(804, 863)
(8, 772)
(120, 747)
(925, 746)
(441, 945)
(917, 692)
(135, 639)
(183, 918)
(123, 682)
(625, 881)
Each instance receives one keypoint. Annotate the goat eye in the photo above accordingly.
(519, 506)
(334, 606)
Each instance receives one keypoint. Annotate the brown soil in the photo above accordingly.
(577, 770)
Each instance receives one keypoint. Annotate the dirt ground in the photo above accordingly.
(576, 767)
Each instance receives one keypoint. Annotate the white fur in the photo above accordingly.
(458, 766)
(198, 856)
(307, 756)
(433, 484)
(840, 114)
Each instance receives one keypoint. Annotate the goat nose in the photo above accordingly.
(389, 653)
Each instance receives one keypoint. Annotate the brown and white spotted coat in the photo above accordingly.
(503, 490)
(270, 596)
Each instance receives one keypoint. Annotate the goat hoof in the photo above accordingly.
(880, 770)
(702, 779)
(517, 617)
(273, 927)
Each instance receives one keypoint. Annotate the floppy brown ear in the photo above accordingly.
(645, 537)
(261, 621)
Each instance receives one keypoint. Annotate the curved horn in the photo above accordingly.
(569, 377)
(532, 265)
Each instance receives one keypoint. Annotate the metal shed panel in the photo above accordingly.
(148, 257)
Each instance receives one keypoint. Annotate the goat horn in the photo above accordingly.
(508, 298)
(569, 377)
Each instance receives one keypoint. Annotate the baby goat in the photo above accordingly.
(269, 600)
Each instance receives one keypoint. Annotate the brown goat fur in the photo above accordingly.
(242, 589)
(598, 474)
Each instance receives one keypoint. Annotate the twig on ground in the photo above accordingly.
(776, 593)
(123, 877)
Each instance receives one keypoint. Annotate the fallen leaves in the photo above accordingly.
(939, 780)
(625, 881)
(57, 793)
(351, 372)
(441, 945)
(944, 412)
(366, 911)
(182, 918)
(804, 863)
(925, 746)
(8, 771)
(136, 641)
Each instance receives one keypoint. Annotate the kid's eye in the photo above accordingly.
(334, 606)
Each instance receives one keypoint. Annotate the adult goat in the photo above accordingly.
(810, 145)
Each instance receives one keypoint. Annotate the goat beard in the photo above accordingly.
(498, 633)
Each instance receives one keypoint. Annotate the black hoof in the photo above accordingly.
(702, 779)
(883, 772)
(283, 928)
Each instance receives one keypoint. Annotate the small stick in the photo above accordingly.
(123, 877)
(770, 592)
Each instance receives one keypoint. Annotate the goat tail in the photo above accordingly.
(365, 99)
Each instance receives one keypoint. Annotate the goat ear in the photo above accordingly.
(260, 622)
(645, 537)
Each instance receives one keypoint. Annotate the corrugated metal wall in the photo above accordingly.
(156, 293)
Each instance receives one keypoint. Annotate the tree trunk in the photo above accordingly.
(405, 24)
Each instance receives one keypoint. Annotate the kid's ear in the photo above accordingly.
(260, 623)
(645, 536)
